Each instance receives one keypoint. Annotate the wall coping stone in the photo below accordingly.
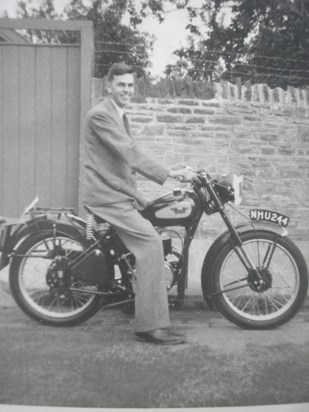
(168, 91)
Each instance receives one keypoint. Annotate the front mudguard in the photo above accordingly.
(31, 227)
(221, 241)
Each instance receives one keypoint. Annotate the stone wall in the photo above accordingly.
(250, 130)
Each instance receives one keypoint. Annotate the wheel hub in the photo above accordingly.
(259, 280)
(56, 278)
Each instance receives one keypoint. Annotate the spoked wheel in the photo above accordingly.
(266, 296)
(46, 291)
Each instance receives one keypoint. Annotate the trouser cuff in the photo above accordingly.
(153, 326)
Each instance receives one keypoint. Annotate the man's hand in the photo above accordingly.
(184, 174)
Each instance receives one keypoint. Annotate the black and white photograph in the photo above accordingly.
(154, 205)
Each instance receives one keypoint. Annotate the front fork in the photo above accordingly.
(236, 240)
(237, 245)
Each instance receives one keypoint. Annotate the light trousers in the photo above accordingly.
(140, 238)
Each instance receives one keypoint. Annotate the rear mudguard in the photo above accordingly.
(220, 242)
(37, 225)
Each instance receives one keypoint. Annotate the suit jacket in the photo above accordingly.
(112, 158)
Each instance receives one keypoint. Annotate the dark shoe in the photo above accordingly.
(161, 337)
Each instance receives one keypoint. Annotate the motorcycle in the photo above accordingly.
(67, 268)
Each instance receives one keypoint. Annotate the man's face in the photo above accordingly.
(121, 88)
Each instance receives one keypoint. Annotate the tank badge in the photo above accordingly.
(179, 210)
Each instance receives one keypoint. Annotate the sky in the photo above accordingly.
(170, 34)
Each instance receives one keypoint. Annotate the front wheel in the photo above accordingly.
(36, 286)
(266, 296)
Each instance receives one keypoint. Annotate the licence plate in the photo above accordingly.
(269, 216)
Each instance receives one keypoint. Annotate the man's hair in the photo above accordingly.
(117, 69)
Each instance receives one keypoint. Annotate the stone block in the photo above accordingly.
(242, 133)
(233, 91)
(223, 136)
(276, 94)
(266, 93)
(306, 96)
(289, 173)
(195, 119)
(241, 108)
(224, 89)
(141, 119)
(204, 135)
(182, 110)
(269, 137)
(286, 150)
(256, 93)
(293, 94)
(163, 139)
(302, 112)
(182, 148)
(217, 90)
(166, 101)
(211, 104)
(204, 111)
(252, 118)
(214, 128)
(182, 127)
(188, 102)
(168, 118)
(190, 140)
(138, 99)
(153, 129)
(228, 120)
(303, 134)
(175, 133)
(248, 91)
(289, 111)
(269, 151)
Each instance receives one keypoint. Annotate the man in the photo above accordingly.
(111, 160)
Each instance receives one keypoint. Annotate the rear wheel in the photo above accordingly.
(265, 297)
(37, 284)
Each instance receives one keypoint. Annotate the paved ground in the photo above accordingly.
(100, 364)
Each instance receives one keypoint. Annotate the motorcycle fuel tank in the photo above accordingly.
(177, 208)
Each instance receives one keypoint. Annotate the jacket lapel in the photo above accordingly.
(116, 116)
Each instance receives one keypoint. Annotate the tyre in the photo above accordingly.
(33, 281)
(267, 299)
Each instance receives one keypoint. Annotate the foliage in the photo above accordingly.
(265, 40)
(262, 41)
(114, 41)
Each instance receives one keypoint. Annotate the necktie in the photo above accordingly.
(126, 124)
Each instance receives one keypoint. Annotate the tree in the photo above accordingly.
(114, 41)
(265, 40)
